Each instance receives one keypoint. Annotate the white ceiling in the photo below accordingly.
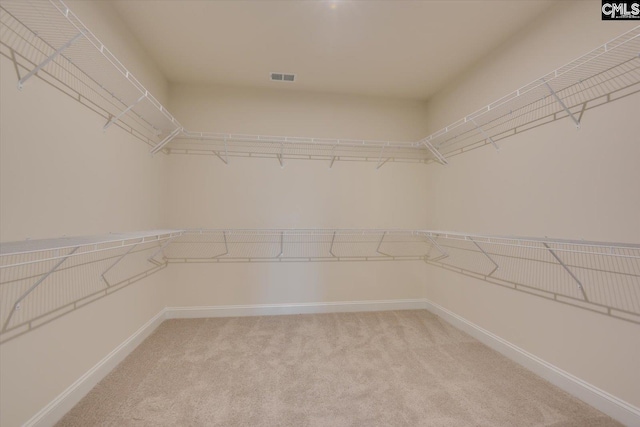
(390, 48)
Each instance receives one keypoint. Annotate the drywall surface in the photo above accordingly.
(202, 285)
(37, 367)
(258, 193)
(61, 175)
(551, 181)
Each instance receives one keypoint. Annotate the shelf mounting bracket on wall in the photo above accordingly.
(281, 244)
(497, 267)
(160, 249)
(215, 153)
(120, 258)
(380, 162)
(478, 127)
(444, 254)
(380, 244)
(53, 56)
(584, 294)
(33, 287)
(281, 155)
(333, 238)
(562, 104)
(226, 246)
(333, 155)
(165, 141)
(123, 112)
(435, 152)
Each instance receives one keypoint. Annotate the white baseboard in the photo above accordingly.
(616, 408)
(55, 410)
(599, 399)
(293, 308)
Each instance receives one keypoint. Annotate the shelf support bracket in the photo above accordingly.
(281, 155)
(497, 267)
(562, 104)
(333, 155)
(281, 244)
(380, 244)
(165, 141)
(584, 294)
(435, 152)
(226, 246)
(16, 305)
(123, 112)
(226, 152)
(444, 254)
(380, 162)
(487, 137)
(120, 258)
(215, 153)
(160, 249)
(53, 56)
(331, 248)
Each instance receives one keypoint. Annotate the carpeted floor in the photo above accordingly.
(395, 368)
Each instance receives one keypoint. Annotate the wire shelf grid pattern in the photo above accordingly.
(603, 277)
(564, 92)
(41, 30)
(295, 245)
(283, 147)
(49, 31)
(43, 279)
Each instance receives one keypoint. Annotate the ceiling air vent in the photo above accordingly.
(282, 77)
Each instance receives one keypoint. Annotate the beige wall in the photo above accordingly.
(257, 193)
(72, 179)
(552, 181)
(61, 175)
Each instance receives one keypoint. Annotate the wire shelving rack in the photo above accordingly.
(609, 72)
(47, 38)
(41, 280)
(52, 40)
(225, 146)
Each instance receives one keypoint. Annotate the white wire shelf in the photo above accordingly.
(598, 276)
(277, 245)
(53, 38)
(602, 75)
(41, 280)
(225, 146)
(46, 38)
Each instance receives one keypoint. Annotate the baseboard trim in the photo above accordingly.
(58, 407)
(616, 408)
(293, 308)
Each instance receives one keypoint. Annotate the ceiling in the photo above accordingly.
(405, 49)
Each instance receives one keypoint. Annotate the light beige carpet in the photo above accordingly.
(399, 368)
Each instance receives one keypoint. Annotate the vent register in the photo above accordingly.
(283, 77)
(53, 44)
